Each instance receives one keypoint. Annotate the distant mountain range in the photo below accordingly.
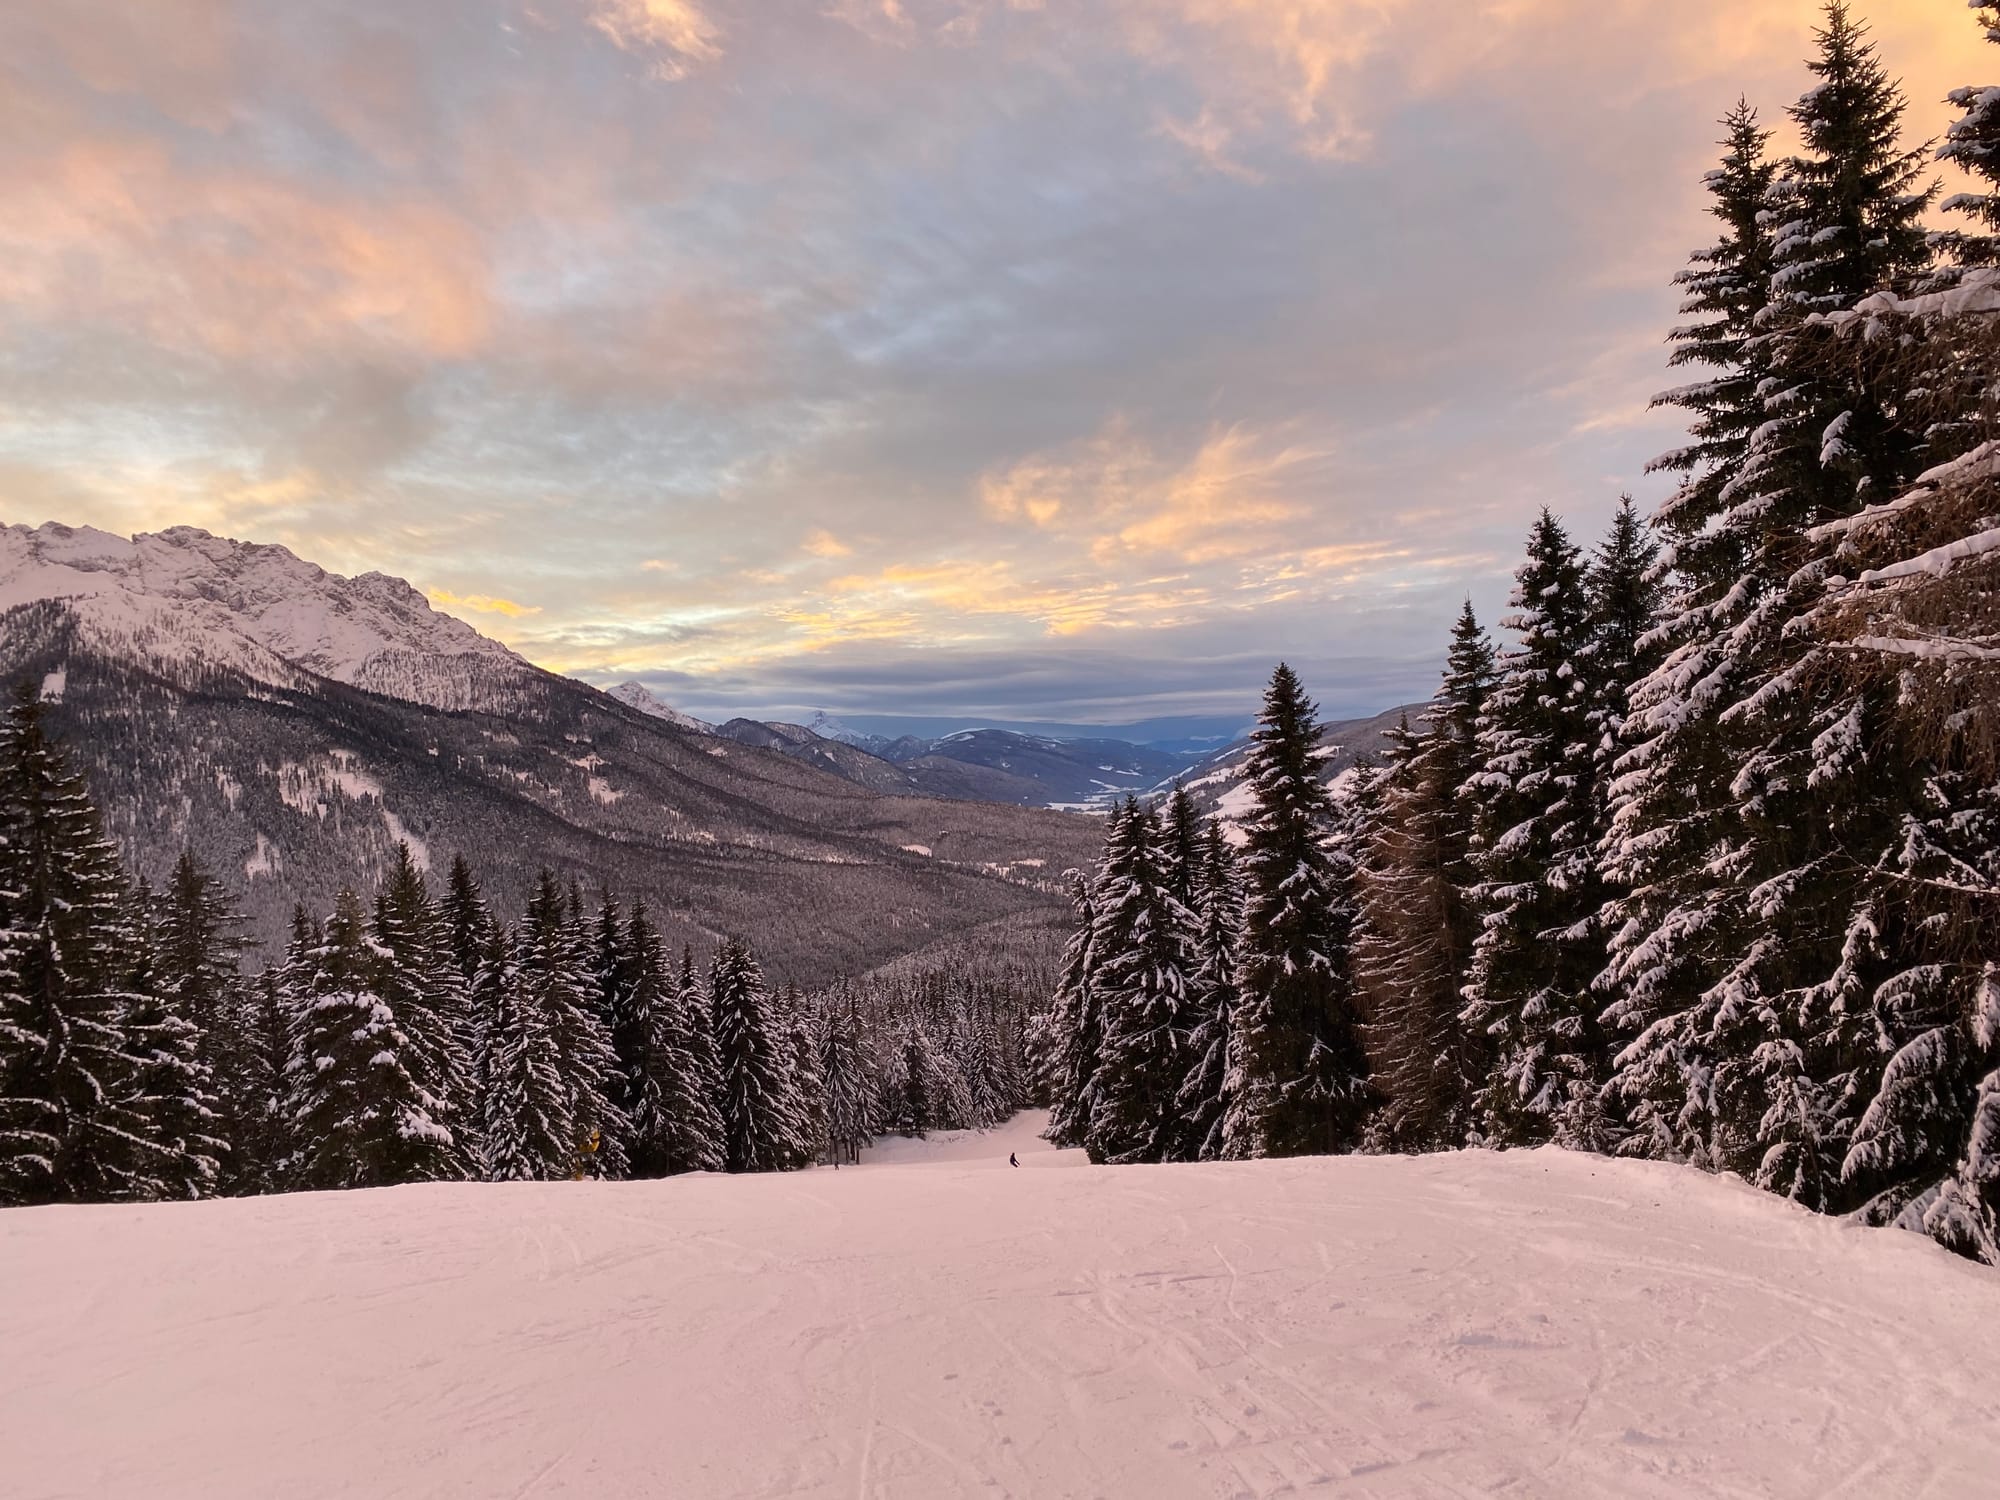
(1084, 772)
(291, 726)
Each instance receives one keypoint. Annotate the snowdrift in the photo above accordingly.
(935, 1323)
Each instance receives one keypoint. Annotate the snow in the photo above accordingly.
(923, 849)
(54, 684)
(934, 1324)
(184, 595)
(638, 695)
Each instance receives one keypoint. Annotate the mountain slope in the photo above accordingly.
(1216, 783)
(166, 669)
(935, 1324)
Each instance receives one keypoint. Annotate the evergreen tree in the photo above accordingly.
(850, 1111)
(260, 1142)
(1212, 1000)
(359, 1113)
(1528, 990)
(1727, 290)
(469, 920)
(527, 1130)
(71, 1130)
(1141, 988)
(1748, 946)
(1297, 1080)
(1075, 1025)
(674, 1124)
(417, 977)
(553, 955)
(758, 1129)
(173, 1089)
(1181, 855)
(195, 947)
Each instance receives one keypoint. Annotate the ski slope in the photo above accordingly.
(935, 1324)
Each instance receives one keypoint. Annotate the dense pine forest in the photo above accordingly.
(1701, 863)
(412, 1037)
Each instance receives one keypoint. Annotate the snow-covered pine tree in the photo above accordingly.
(1760, 789)
(1142, 995)
(173, 1087)
(1075, 1025)
(675, 1127)
(552, 951)
(1671, 809)
(850, 1105)
(1536, 893)
(758, 1128)
(1414, 944)
(1211, 999)
(1181, 847)
(1917, 626)
(261, 1144)
(698, 1011)
(1625, 605)
(417, 977)
(70, 1128)
(469, 921)
(805, 1105)
(358, 1112)
(196, 947)
(527, 1131)
(1297, 1081)
(1821, 792)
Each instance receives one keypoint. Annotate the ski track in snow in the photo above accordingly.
(934, 1324)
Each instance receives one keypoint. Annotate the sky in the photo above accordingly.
(1059, 359)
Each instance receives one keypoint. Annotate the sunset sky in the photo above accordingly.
(1066, 359)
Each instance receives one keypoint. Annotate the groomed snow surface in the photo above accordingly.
(935, 1324)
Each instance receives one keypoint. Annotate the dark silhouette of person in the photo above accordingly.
(1012, 1161)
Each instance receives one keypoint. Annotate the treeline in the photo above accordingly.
(414, 1037)
(1704, 865)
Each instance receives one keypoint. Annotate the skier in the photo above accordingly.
(1012, 1161)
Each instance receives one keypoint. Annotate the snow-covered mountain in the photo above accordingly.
(291, 727)
(638, 695)
(184, 595)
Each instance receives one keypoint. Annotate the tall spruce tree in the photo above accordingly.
(1415, 939)
(553, 955)
(359, 1113)
(71, 1129)
(1536, 892)
(1297, 1081)
(173, 1088)
(1075, 1023)
(758, 1127)
(527, 1129)
(1212, 999)
(675, 1127)
(1748, 945)
(417, 977)
(195, 951)
(1142, 994)
(850, 1105)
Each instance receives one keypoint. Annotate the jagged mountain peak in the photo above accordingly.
(637, 695)
(185, 595)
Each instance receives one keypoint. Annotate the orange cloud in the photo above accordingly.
(484, 604)
(677, 33)
(114, 233)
